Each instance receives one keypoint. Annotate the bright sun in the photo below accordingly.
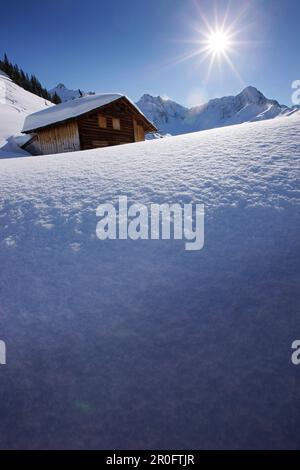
(218, 42)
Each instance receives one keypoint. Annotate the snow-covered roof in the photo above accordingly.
(71, 109)
(67, 110)
(23, 139)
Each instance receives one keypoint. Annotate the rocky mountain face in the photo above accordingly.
(249, 105)
(66, 94)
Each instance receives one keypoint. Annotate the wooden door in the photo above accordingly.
(139, 134)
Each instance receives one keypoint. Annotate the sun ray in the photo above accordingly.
(210, 66)
(233, 68)
(216, 40)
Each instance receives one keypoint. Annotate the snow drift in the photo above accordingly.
(141, 344)
(15, 104)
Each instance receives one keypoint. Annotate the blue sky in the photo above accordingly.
(141, 46)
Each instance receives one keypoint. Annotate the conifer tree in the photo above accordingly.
(55, 98)
(22, 79)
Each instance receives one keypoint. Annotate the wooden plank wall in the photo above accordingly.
(59, 139)
(139, 133)
(93, 136)
(87, 132)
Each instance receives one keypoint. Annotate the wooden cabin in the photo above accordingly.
(86, 123)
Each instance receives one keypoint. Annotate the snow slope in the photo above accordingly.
(15, 104)
(249, 105)
(141, 344)
(66, 94)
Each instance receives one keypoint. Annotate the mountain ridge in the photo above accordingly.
(172, 118)
(247, 106)
(67, 94)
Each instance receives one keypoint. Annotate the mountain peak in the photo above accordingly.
(66, 94)
(172, 118)
(251, 90)
(148, 97)
(252, 95)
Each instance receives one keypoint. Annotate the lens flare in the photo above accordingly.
(218, 42)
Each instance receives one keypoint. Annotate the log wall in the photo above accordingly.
(93, 134)
(59, 139)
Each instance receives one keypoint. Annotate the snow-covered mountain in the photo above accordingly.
(170, 117)
(173, 118)
(249, 105)
(167, 115)
(15, 104)
(66, 94)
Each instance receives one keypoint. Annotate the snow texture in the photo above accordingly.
(141, 344)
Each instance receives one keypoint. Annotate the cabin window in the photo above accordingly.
(102, 121)
(116, 124)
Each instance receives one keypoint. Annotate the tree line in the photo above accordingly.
(29, 83)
